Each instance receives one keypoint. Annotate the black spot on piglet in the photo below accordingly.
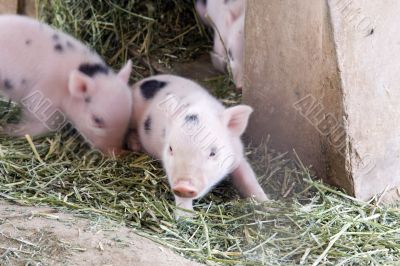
(58, 47)
(147, 124)
(7, 84)
(192, 118)
(93, 69)
(28, 42)
(150, 88)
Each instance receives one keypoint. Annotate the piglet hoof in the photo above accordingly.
(262, 197)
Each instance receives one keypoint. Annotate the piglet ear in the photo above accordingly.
(79, 84)
(236, 9)
(125, 72)
(231, 17)
(236, 118)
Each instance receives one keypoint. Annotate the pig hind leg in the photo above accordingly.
(27, 125)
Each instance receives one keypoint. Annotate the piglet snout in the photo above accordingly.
(184, 189)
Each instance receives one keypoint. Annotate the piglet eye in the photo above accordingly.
(213, 153)
(170, 150)
(99, 122)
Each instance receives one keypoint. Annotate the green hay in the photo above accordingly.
(330, 227)
(307, 223)
(138, 30)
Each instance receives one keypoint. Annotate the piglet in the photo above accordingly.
(221, 13)
(235, 46)
(57, 80)
(201, 8)
(195, 136)
(226, 17)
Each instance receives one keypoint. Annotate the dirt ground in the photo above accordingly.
(46, 236)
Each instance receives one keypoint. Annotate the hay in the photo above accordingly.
(308, 223)
(140, 30)
(330, 227)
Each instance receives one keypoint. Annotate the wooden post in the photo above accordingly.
(8, 7)
(23, 7)
(323, 79)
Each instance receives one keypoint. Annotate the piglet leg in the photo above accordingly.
(185, 203)
(246, 182)
(133, 141)
(30, 127)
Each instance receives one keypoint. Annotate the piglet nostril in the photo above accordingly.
(191, 193)
(178, 193)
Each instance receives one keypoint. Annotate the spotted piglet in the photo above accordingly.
(235, 46)
(195, 136)
(226, 17)
(56, 78)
